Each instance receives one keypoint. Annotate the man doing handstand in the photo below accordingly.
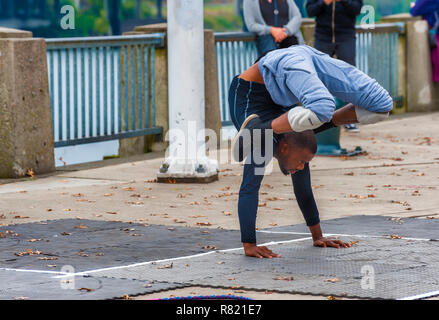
(266, 96)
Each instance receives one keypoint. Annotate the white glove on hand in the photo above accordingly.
(302, 119)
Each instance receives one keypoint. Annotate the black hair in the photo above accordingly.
(301, 140)
(264, 54)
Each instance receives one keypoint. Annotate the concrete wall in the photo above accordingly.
(26, 137)
(415, 69)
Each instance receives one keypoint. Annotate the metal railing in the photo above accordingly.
(102, 88)
(235, 52)
(377, 56)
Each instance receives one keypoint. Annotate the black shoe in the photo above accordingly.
(351, 128)
(241, 146)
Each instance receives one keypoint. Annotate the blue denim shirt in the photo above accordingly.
(304, 74)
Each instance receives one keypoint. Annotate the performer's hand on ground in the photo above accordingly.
(252, 250)
(325, 242)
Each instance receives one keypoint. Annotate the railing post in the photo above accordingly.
(418, 69)
(26, 137)
(154, 143)
(308, 30)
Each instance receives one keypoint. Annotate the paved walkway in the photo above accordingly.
(397, 179)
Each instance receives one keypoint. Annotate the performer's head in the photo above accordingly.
(294, 150)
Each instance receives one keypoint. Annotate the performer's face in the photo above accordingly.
(292, 160)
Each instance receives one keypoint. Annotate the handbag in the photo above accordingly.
(433, 31)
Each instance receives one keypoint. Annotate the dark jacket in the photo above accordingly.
(338, 27)
(429, 9)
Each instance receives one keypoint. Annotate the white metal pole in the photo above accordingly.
(186, 154)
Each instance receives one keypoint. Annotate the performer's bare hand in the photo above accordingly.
(325, 242)
(252, 250)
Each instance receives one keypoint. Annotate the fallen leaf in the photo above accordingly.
(86, 289)
(332, 280)
(284, 278)
(82, 253)
(167, 266)
(179, 221)
(81, 226)
(30, 173)
(205, 224)
(65, 234)
(77, 195)
(332, 298)
(227, 213)
(268, 292)
(209, 247)
(353, 243)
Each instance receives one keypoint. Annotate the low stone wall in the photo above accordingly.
(26, 137)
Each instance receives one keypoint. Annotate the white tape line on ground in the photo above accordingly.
(172, 259)
(346, 235)
(135, 265)
(33, 271)
(268, 244)
(422, 296)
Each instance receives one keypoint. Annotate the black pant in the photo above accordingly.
(345, 50)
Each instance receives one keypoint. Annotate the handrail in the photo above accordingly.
(398, 27)
(156, 39)
(232, 36)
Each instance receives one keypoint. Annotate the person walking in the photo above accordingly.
(276, 23)
(335, 32)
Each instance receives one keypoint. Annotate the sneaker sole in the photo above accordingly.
(235, 141)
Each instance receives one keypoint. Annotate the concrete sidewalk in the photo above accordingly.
(398, 177)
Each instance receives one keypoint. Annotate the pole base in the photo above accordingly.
(181, 170)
